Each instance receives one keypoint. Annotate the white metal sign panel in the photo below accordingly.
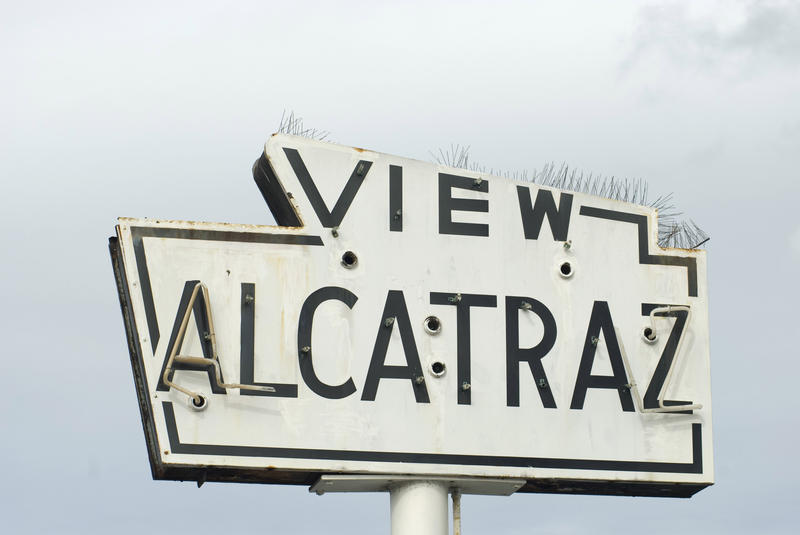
(417, 319)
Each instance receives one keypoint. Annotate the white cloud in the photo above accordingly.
(712, 35)
(794, 243)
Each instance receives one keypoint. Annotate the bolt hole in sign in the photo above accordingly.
(278, 354)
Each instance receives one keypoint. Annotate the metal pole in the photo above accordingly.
(419, 508)
(456, 511)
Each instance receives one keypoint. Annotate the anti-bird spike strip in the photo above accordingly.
(290, 124)
(671, 231)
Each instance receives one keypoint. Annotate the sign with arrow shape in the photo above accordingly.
(412, 319)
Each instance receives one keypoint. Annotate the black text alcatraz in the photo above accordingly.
(395, 315)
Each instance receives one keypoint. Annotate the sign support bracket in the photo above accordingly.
(418, 505)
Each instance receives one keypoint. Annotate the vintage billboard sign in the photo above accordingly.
(410, 318)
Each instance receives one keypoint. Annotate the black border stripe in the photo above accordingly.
(644, 246)
(176, 446)
(139, 233)
(147, 290)
(225, 235)
(135, 351)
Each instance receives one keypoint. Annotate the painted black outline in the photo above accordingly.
(146, 412)
(176, 446)
(139, 233)
(644, 244)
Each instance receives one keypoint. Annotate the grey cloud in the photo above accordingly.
(769, 28)
(794, 243)
(768, 33)
(707, 153)
(790, 129)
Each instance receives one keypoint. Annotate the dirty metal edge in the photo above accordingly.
(137, 365)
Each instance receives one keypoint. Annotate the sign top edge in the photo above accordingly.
(278, 139)
(239, 227)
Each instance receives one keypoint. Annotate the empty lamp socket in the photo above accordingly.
(198, 405)
(432, 325)
(438, 368)
(649, 335)
(349, 259)
(566, 269)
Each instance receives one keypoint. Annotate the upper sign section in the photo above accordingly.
(409, 318)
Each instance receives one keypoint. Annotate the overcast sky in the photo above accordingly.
(159, 109)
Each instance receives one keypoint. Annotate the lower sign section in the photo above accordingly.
(362, 384)
(284, 354)
(221, 451)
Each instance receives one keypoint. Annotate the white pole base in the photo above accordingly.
(419, 508)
